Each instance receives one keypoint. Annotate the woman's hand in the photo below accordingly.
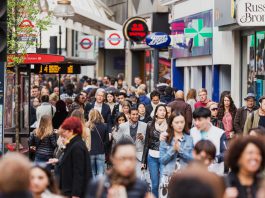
(231, 192)
(163, 136)
(53, 161)
(177, 146)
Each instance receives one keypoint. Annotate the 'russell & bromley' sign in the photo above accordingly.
(251, 13)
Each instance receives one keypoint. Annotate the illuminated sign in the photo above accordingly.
(57, 69)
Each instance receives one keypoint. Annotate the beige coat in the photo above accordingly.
(249, 124)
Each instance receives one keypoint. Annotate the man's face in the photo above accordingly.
(201, 123)
(155, 100)
(203, 96)
(35, 93)
(105, 81)
(124, 160)
(134, 116)
(121, 99)
(250, 103)
(100, 97)
(137, 81)
(56, 91)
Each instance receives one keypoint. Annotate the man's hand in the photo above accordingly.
(140, 136)
(163, 136)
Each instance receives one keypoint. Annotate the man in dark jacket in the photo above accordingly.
(181, 106)
(243, 112)
(155, 100)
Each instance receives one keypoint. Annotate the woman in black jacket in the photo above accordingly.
(246, 160)
(143, 115)
(73, 169)
(60, 114)
(99, 141)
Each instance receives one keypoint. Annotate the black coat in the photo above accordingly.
(22, 194)
(105, 111)
(58, 119)
(74, 168)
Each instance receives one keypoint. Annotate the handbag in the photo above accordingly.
(145, 177)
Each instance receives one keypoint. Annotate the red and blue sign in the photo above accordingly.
(158, 40)
(114, 39)
(86, 43)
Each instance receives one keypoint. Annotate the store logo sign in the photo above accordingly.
(158, 40)
(251, 13)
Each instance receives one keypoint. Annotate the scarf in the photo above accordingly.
(161, 127)
(154, 107)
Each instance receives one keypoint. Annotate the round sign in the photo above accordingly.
(114, 39)
(158, 40)
(135, 29)
(86, 43)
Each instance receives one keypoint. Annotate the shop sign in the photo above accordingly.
(57, 69)
(114, 39)
(37, 58)
(158, 40)
(251, 13)
(135, 29)
(86, 43)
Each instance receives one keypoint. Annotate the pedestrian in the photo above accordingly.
(112, 88)
(86, 133)
(44, 109)
(120, 119)
(246, 160)
(79, 103)
(136, 131)
(151, 146)
(43, 141)
(121, 98)
(143, 115)
(162, 85)
(204, 130)
(126, 106)
(259, 131)
(121, 181)
(137, 81)
(204, 151)
(213, 107)
(99, 141)
(43, 184)
(179, 105)
(33, 116)
(69, 92)
(169, 111)
(243, 112)
(226, 113)
(134, 100)
(176, 151)
(257, 118)
(60, 114)
(73, 169)
(142, 96)
(14, 176)
(191, 98)
(155, 100)
(202, 93)
(110, 101)
(168, 96)
(53, 98)
(35, 92)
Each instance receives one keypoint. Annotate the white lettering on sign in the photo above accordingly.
(251, 13)
(158, 39)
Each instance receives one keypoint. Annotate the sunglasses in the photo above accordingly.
(214, 109)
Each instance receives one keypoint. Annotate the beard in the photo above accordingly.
(118, 179)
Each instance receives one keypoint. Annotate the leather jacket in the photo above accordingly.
(151, 141)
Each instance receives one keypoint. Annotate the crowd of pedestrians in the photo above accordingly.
(101, 138)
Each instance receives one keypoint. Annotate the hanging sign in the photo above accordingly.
(86, 43)
(114, 39)
(57, 69)
(135, 29)
(158, 40)
(251, 13)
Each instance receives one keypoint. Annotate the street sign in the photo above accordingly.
(158, 40)
(38, 58)
(251, 13)
(57, 69)
(86, 43)
(135, 29)
(114, 39)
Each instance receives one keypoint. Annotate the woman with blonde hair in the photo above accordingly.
(43, 140)
(126, 106)
(86, 131)
(99, 141)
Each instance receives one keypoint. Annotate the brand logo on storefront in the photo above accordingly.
(114, 39)
(251, 13)
(158, 40)
(86, 43)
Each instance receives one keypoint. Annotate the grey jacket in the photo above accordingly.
(124, 131)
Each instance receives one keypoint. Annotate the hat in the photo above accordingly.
(250, 95)
(261, 98)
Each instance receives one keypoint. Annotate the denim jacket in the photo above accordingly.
(168, 156)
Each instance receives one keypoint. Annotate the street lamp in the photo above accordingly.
(64, 9)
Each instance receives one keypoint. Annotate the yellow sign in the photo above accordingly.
(57, 69)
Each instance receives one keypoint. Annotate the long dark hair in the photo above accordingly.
(221, 109)
(170, 129)
(154, 118)
(52, 187)
(120, 115)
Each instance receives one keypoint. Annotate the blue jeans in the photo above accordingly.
(97, 164)
(155, 169)
(42, 161)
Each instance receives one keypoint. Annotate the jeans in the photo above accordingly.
(42, 161)
(155, 170)
(97, 164)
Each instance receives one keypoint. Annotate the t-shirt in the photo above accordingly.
(200, 104)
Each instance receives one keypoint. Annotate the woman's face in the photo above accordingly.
(178, 123)
(125, 109)
(250, 159)
(36, 102)
(227, 102)
(214, 110)
(141, 109)
(169, 111)
(110, 98)
(38, 181)
(121, 120)
(161, 112)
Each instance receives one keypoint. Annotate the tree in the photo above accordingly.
(24, 22)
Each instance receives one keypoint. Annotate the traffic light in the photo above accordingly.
(3, 30)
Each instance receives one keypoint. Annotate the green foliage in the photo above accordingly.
(19, 10)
